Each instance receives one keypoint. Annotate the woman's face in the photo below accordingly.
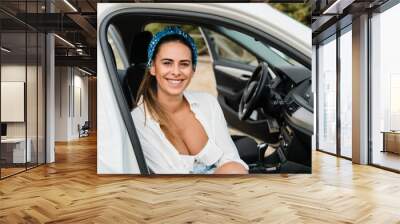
(172, 67)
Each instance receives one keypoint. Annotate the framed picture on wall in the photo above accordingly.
(12, 101)
(240, 83)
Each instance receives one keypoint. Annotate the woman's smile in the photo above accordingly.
(175, 82)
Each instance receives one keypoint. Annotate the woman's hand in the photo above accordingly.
(231, 168)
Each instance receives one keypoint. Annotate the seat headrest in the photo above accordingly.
(140, 44)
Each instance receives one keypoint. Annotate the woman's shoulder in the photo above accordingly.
(138, 115)
(139, 110)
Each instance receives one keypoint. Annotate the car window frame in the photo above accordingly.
(120, 48)
(189, 17)
(120, 98)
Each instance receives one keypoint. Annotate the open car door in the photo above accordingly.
(233, 65)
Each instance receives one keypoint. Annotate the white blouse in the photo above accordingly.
(162, 157)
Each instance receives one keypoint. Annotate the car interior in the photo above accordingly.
(265, 94)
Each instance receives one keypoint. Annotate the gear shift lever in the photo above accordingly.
(261, 148)
(262, 166)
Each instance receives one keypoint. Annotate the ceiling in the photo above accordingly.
(74, 22)
(328, 16)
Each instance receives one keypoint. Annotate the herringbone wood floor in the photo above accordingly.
(70, 191)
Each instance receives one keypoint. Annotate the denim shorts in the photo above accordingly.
(199, 168)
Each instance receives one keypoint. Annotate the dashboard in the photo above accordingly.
(290, 90)
(299, 107)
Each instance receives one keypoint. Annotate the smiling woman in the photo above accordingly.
(180, 131)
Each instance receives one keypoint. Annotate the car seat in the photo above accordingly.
(135, 72)
(247, 148)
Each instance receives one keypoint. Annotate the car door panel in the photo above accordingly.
(231, 79)
(255, 128)
(230, 83)
(238, 73)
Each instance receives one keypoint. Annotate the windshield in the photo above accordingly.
(267, 53)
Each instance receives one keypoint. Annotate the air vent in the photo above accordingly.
(292, 107)
(288, 100)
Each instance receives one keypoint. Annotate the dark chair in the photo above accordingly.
(84, 130)
(135, 73)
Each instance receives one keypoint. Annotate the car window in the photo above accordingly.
(229, 50)
(118, 49)
(263, 50)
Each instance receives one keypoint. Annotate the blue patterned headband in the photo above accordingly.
(171, 30)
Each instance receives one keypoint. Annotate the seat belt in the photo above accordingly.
(126, 117)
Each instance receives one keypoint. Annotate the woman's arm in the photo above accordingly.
(230, 163)
(231, 168)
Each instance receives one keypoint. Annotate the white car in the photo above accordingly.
(247, 43)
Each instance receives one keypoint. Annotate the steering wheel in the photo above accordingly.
(253, 90)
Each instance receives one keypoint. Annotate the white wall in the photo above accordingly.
(62, 81)
(80, 84)
(32, 105)
(14, 72)
(12, 100)
(71, 94)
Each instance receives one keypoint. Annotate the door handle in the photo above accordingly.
(245, 76)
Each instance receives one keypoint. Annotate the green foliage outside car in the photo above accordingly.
(298, 11)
